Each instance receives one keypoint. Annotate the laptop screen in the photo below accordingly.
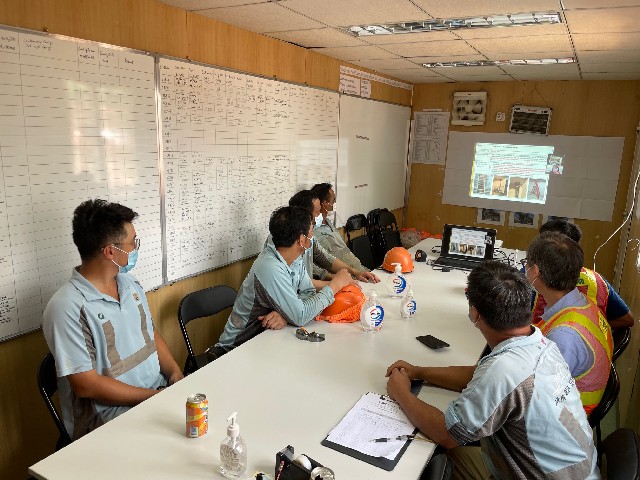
(472, 243)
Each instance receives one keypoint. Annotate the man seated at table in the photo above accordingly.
(590, 283)
(278, 289)
(109, 356)
(520, 401)
(328, 236)
(319, 262)
(570, 319)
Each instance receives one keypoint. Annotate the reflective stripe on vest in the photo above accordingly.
(591, 325)
(590, 284)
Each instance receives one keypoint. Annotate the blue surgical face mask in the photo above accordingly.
(310, 240)
(318, 220)
(132, 258)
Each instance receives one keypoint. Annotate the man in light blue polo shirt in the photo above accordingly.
(278, 289)
(109, 357)
(520, 401)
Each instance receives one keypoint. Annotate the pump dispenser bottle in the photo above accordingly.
(233, 451)
(372, 314)
(408, 305)
(397, 282)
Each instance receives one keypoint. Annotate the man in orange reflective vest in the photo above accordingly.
(570, 319)
(591, 284)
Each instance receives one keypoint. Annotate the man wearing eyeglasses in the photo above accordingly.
(98, 325)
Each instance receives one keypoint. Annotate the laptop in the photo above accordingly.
(465, 247)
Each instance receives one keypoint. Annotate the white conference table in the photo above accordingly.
(286, 392)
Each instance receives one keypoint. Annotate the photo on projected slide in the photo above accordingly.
(517, 173)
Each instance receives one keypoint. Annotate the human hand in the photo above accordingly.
(398, 383)
(367, 277)
(340, 280)
(411, 370)
(272, 320)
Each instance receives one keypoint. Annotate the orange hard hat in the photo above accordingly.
(398, 255)
(345, 307)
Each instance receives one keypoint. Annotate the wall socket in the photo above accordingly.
(500, 117)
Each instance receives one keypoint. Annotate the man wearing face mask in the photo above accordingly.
(109, 357)
(329, 237)
(570, 319)
(321, 263)
(278, 289)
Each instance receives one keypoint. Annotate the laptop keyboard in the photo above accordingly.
(456, 263)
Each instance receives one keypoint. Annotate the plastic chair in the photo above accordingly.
(440, 467)
(202, 303)
(48, 385)
(360, 246)
(611, 391)
(621, 339)
(621, 449)
(389, 231)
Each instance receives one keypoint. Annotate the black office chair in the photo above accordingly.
(440, 467)
(621, 339)
(621, 450)
(389, 231)
(360, 246)
(48, 385)
(199, 304)
(611, 391)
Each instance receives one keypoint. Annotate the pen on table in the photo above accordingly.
(401, 437)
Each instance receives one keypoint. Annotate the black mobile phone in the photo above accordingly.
(432, 342)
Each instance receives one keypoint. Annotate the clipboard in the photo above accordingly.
(380, 462)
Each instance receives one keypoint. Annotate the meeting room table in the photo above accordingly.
(287, 392)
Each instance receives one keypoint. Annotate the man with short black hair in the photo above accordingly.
(109, 356)
(520, 401)
(590, 283)
(571, 320)
(278, 289)
(328, 236)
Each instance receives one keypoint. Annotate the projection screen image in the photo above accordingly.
(516, 173)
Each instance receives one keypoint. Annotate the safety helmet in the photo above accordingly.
(345, 307)
(398, 255)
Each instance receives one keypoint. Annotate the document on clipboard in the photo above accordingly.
(373, 416)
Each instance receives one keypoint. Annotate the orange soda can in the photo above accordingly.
(197, 415)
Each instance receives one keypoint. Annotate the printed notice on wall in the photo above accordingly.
(350, 85)
(430, 137)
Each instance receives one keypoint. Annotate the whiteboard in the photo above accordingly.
(234, 148)
(586, 189)
(77, 121)
(372, 156)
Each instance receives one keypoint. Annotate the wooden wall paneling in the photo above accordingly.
(322, 71)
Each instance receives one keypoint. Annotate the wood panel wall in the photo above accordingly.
(28, 432)
(580, 108)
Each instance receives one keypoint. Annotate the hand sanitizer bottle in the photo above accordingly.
(372, 314)
(397, 282)
(233, 451)
(408, 305)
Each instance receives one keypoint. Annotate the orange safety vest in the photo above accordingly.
(590, 284)
(594, 329)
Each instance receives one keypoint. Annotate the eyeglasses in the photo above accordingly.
(136, 242)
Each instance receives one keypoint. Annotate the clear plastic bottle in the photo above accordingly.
(372, 314)
(408, 305)
(397, 282)
(233, 451)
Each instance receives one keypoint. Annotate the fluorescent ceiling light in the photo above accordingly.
(492, 63)
(435, 25)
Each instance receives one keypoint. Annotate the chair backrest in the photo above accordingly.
(440, 467)
(48, 385)
(361, 248)
(609, 397)
(621, 339)
(199, 304)
(621, 450)
(354, 223)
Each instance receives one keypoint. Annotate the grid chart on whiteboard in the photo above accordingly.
(77, 121)
(235, 148)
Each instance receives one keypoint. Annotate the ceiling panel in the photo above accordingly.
(318, 37)
(342, 13)
(517, 31)
(471, 8)
(410, 37)
(522, 44)
(611, 76)
(454, 47)
(571, 4)
(447, 58)
(610, 67)
(394, 63)
(606, 41)
(456, 72)
(604, 20)
(355, 53)
(193, 5)
(262, 17)
(608, 56)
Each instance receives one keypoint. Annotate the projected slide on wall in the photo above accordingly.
(510, 172)
(574, 177)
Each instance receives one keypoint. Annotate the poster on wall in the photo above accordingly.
(524, 219)
(490, 216)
